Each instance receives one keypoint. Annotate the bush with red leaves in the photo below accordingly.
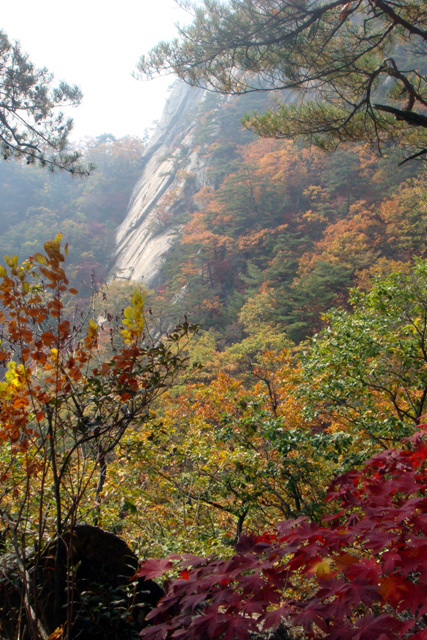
(359, 575)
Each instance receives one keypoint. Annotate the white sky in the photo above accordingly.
(96, 44)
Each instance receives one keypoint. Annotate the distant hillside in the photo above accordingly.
(35, 205)
(226, 226)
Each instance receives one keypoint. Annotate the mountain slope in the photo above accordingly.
(236, 231)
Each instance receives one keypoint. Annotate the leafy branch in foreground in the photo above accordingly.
(30, 125)
(357, 66)
(360, 575)
(63, 411)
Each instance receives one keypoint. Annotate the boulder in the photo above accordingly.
(95, 590)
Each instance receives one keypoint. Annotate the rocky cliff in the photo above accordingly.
(175, 168)
(197, 136)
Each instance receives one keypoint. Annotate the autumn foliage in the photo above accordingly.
(304, 224)
(65, 404)
(359, 574)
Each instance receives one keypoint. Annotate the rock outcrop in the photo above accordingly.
(95, 593)
(175, 168)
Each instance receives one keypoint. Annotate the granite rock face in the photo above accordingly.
(174, 170)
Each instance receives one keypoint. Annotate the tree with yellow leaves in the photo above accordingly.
(63, 412)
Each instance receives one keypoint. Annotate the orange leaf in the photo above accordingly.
(39, 356)
(64, 328)
(57, 634)
(104, 369)
(345, 560)
(20, 402)
(49, 338)
(393, 589)
(75, 373)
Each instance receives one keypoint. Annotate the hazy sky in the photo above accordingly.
(96, 45)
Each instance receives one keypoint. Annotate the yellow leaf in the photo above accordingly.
(322, 568)
(57, 634)
(39, 257)
(11, 261)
